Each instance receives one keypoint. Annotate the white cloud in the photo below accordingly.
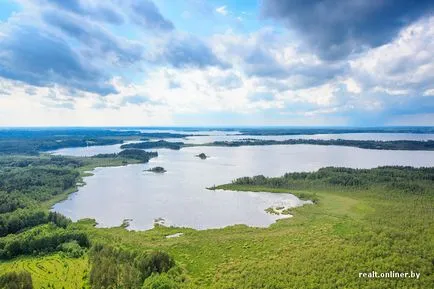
(222, 10)
(404, 66)
(429, 92)
(269, 70)
(352, 85)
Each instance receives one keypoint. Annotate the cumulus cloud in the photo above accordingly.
(98, 10)
(334, 29)
(101, 42)
(146, 14)
(64, 60)
(141, 12)
(400, 73)
(41, 59)
(407, 63)
(276, 58)
(81, 52)
(183, 50)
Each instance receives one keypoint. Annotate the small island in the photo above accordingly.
(159, 170)
(202, 156)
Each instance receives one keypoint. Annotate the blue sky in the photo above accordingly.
(197, 62)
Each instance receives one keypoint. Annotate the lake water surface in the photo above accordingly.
(346, 136)
(180, 197)
(202, 137)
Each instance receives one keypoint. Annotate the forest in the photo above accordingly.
(136, 154)
(331, 130)
(154, 144)
(355, 224)
(33, 141)
(361, 220)
(28, 185)
(365, 144)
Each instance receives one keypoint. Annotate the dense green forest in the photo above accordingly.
(406, 179)
(331, 130)
(154, 144)
(160, 135)
(28, 187)
(136, 154)
(365, 144)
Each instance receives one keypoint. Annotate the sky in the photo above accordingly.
(216, 63)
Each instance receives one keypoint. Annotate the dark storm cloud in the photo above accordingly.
(335, 28)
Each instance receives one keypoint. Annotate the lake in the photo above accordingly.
(180, 197)
(347, 136)
(90, 150)
(201, 137)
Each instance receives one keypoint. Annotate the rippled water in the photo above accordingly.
(179, 196)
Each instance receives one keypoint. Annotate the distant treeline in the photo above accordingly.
(34, 146)
(33, 141)
(365, 144)
(164, 135)
(154, 144)
(312, 131)
(136, 154)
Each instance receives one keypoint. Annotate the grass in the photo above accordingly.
(325, 245)
(53, 271)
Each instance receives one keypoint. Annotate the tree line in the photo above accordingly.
(136, 154)
(365, 144)
(391, 176)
